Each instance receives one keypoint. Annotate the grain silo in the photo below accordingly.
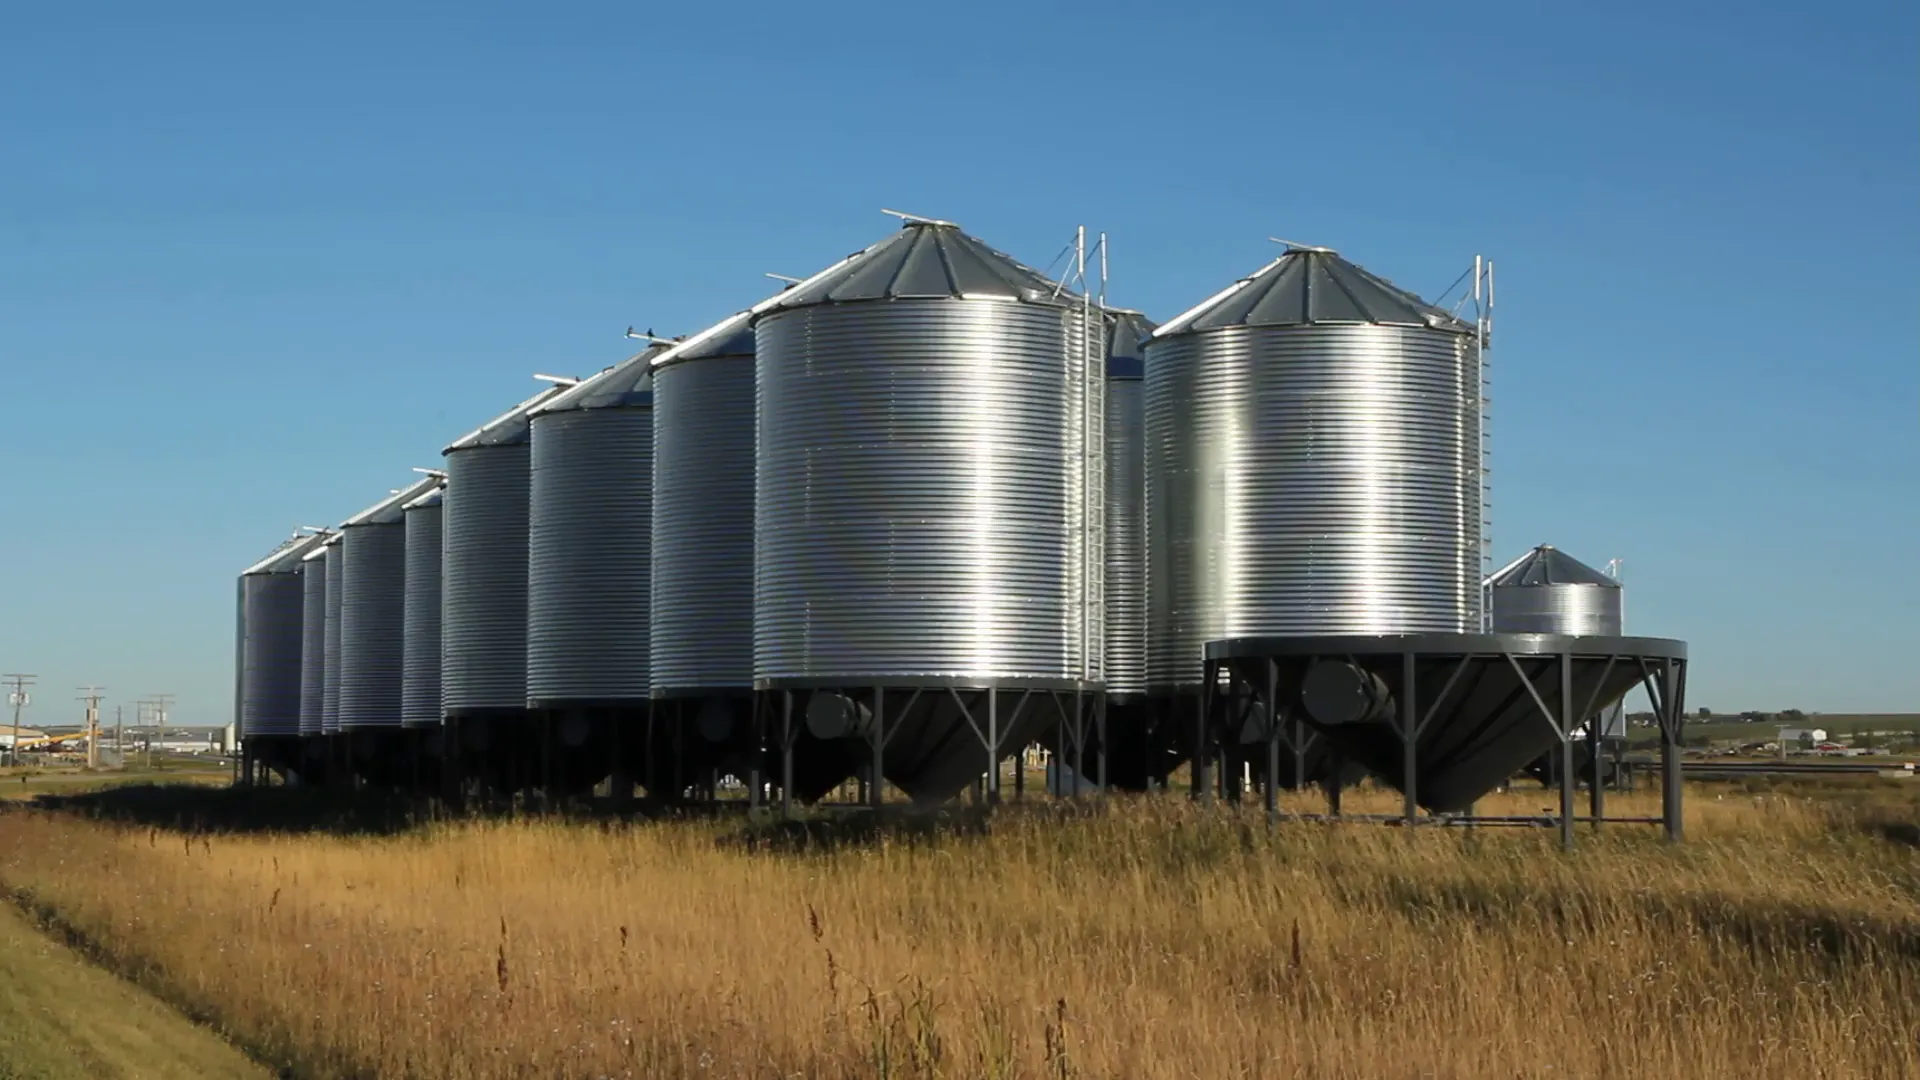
(483, 630)
(590, 558)
(271, 638)
(925, 565)
(1547, 591)
(373, 549)
(420, 679)
(330, 648)
(1126, 497)
(590, 563)
(701, 674)
(313, 648)
(1313, 464)
(1141, 742)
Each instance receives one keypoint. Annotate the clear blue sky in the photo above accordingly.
(258, 260)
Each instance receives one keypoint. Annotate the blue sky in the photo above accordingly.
(257, 261)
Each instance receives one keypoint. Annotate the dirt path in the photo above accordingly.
(62, 1018)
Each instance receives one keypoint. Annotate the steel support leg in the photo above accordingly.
(1674, 690)
(1597, 794)
(786, 753)
(1273, 743)
(1100, 732)
(1202, 782)
(993, 746)
(1569, 776)
(1409, 732)
(875, 783)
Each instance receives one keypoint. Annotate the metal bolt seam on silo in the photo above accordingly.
(919, 495)
(590, 554)
(313, 648)
(1125, 588)
(270, 650)
(703, 457)
(1314, 464)
(373, 610)
(420, 653)
(330, 649)
(483, 612)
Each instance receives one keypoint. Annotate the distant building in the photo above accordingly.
(1802, 737)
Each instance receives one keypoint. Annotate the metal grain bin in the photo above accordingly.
(313, 648)
(484, 574)
(1313, 464)
(590, 553)
(420, 654)
(703, 416)
(1125, 587)
(1547, 591)
(373, 610)
(921, 482)
(330, 649)
(270, 641)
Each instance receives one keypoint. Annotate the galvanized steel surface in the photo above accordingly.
(703, 440)
(271, 643)
(920, 492)
(1318, 479)
(1125, 586)
(420, 654)
(484, 577)
(372, 623)
(313, 655)
(1547, 591)
(330, 659)
(588, 598)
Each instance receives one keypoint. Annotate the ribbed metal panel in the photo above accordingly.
(588, 598)
(703, 525)
(420, 681)
(372, 624)
(313, 653)
(484, 605)
(920, 492)
(270, 675)
(1309, 479)
(330, 659)
(1126, 584)
(1555, 609)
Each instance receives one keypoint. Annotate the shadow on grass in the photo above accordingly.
(830, 829)
(241, 809)
(1765, 927)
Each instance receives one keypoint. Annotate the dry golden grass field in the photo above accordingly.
(1142, 937)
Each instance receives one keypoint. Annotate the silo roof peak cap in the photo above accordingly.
(1548, 565)
(1313, 287)
(926, 261)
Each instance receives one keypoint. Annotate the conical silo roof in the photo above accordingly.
(1126, 343)
(1311, 287)
(388, 510)
(288, 555)
(509, 427)
(1548, 565)
(925, 260)
(629, 382)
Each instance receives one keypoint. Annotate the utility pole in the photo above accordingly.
(91, 695)
(19, 699)
(120, 732)
(160, 703)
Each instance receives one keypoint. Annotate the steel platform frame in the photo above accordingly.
(1242, 682)
(1081, 707)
